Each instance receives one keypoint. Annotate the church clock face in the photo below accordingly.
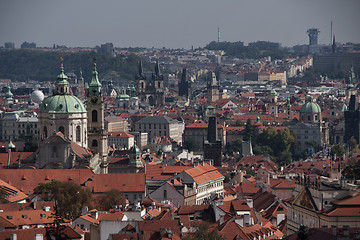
(94, 99)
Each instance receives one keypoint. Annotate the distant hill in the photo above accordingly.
(255, 50)
(22, 65)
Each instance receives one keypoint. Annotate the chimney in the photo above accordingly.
(212, 130)
(95, 214)
(250, 203)
(13, 236)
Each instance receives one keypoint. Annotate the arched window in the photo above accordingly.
(78, 137)
(94, 116)
(94, 143)
(309, 118)
(142, 84)
(316, 117)
(62, 129)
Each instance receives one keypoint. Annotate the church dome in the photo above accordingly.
(62, 104)
(310, 107)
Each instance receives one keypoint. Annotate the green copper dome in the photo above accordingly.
(273, 92)
(135, 149)
(62, 104)
(310, 107)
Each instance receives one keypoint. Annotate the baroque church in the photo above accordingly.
(68, 129)
(150, 90)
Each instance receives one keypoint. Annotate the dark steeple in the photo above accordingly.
(157, 68)
(333, 47)
(141, 71)
(212, 130)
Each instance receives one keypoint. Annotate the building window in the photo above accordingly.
(165, 194)
(94, 116)
(78, 138)
(94, 143)
(62, 129)
(45, 132)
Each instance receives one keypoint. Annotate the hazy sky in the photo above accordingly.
(175, 23)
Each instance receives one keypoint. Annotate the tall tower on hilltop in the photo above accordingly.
(313, 34)
(213, 92)
(97, 135)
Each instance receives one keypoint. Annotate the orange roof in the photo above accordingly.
(13, 157)
(124, 182)
(12, 193)
(27, 179)
(120, 135)
(204, 173)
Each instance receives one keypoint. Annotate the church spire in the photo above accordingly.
(157, 68)
(95, 85)
(62, 84)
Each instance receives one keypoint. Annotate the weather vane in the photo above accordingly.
(62, 60)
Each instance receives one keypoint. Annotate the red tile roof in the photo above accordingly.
(124, 182)
(27, 179)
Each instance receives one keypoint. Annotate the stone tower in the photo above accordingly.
(273, 103)
(213, 87)
(97, 135)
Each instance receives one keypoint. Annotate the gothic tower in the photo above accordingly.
(213, 89)
(97, 135)
(184, 85)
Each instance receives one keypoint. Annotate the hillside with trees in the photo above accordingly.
(23, 65)
(255, 50)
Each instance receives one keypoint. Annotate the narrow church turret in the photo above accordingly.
(97, 135)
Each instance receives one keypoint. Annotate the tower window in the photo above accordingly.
(94, 116)
(142, 84)
(94, 143)
(158, 84)
(78, 138)
(62, 129)
(309, 118)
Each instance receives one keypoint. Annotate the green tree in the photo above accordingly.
(352, 171)
(109, 199)
(352, 143)
(70, 197)
(303, 233)
(234, 146)
(248, 131)
(190, 145)
(337, 149)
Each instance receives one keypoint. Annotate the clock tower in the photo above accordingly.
(97, 135)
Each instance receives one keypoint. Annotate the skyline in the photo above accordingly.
(170, 24)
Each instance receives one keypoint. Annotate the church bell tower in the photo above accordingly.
(97, 135)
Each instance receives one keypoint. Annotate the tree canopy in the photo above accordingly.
(24, 64)
(70, 197)
(109, 199)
